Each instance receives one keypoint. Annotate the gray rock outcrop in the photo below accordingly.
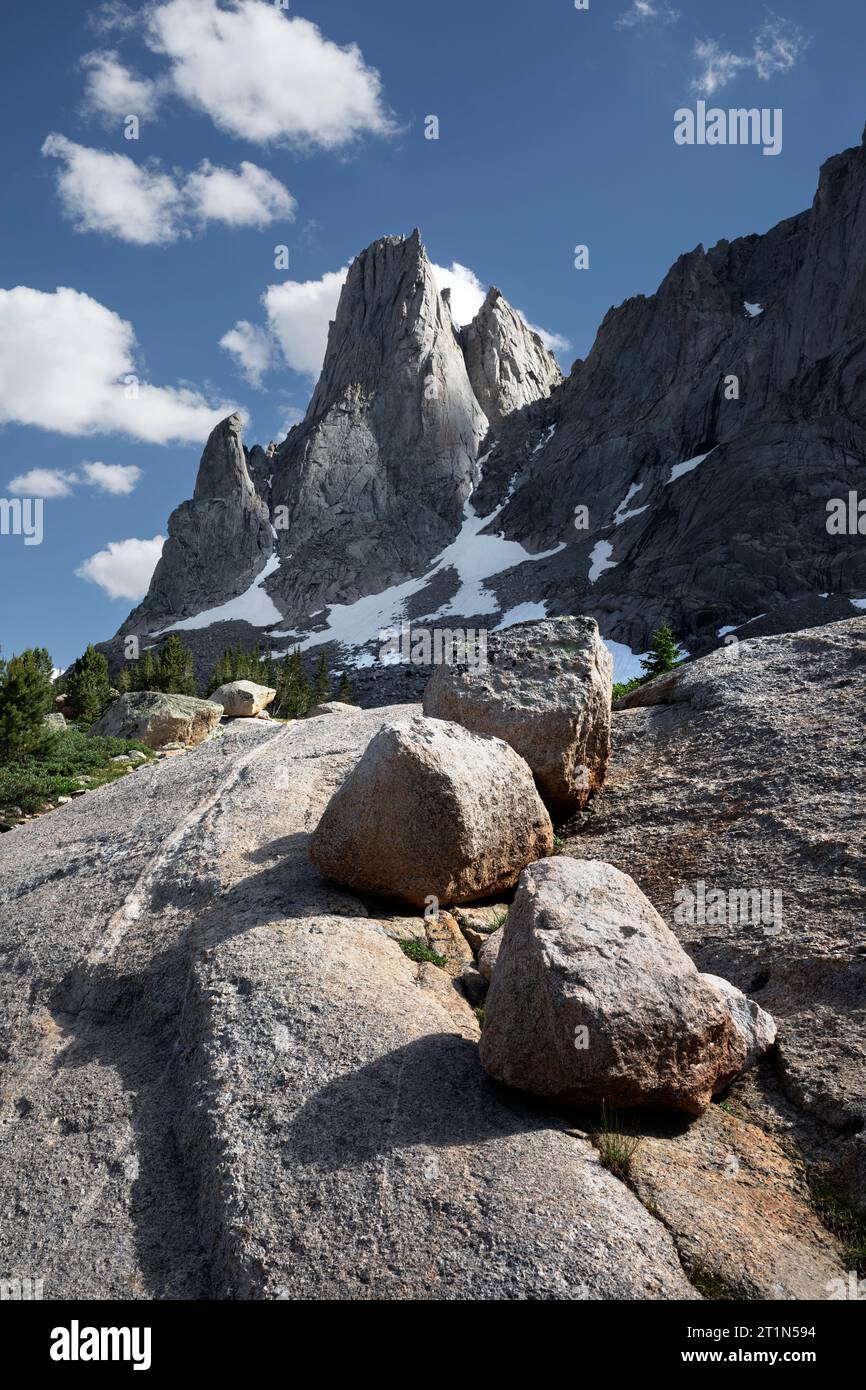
(545, 689)
(593, 999)
(432, 811)
(229, 1066)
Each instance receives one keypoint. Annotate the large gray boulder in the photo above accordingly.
(242, 699)
(594, 1000)
(432, 810)
(545, 689)
(156, 719)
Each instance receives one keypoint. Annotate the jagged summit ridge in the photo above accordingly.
(681, 472)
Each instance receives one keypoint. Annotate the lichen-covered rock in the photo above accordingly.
(157, 720)
(545, 688)
(594, 1000)
(432, 811)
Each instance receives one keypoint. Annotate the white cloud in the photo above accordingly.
(43, 482)
(263, 76)
(117, 478)
(67, 364)
(250, 198)
(298, 315)
(114, 92)
(124, 568)
(467, 291)
(778, 45)
(646, 12)
(252, 348)
(554, 342)
(776, 48)
(110, 193)
(104, 192)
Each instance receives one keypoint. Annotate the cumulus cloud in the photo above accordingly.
(67, 364)
(110, 193)
(251, 347)
(643, 13)
(113, 92)
(250, 198)
(776, 48)
(117, 478)
(124, 568)
(298, 314)
(43, 482)
(467, 291)
(289, 84)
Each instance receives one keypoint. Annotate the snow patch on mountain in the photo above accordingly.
(599, 560)
(254, 606)
(679, 469)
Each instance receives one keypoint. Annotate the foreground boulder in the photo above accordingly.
(243, 699)
(593, 999)
(545, 689)
(431, 810)
(155, 719)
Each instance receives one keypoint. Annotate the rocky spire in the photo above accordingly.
(217, 543)
(376, 475)
(507, 362)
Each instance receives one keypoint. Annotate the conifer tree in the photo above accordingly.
(174, 673)
(663, 654)
(322, 683)
(26, 696)
(146, 673)
(88, 689)
(344, 690)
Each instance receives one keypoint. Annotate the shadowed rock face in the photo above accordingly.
(744, 531)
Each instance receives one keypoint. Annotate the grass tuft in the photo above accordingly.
(616, 1144)
(417, 951)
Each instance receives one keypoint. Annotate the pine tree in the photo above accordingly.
(125, 678)
(26, 696)
(269, 671)
(88, 689)
(322, 683)
(146, 673)
(344, 690)
(663, 654)
(174, 669)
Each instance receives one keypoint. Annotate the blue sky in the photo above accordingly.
(261, 127)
